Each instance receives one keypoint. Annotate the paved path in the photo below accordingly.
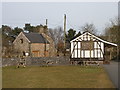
(112, 70)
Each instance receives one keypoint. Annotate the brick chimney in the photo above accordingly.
(43, 29)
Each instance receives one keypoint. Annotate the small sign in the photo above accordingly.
(67, 49)
(26, 54)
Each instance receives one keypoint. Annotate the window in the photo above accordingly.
(21, 40)
(23, 53)
(87, 45)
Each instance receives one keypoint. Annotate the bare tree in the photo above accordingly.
(112, 33)
(57, 35)
(114, 21)
(89, 27)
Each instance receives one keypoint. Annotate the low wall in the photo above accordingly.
(36, 61)
(9, 61)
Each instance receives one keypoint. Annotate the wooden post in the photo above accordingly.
(111, 50)
(110, 55)
(117, 52)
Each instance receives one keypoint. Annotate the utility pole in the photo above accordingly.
(64, 34)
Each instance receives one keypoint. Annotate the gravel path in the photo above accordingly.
(112, 70)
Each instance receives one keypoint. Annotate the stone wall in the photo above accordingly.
(34, 61)
(9, 61)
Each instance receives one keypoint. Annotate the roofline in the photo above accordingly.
(19, 35)
(97, 38)
(77, 37)
(104, 40)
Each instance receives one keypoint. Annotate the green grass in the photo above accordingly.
(56, 77)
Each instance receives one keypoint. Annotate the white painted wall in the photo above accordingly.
(72, 49)
(94, 54)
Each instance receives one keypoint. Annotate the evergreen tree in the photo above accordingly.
(70, 35)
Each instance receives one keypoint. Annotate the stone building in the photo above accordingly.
(34, 44)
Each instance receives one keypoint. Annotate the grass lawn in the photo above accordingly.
(56, 77)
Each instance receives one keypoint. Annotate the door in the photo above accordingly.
(35, 53)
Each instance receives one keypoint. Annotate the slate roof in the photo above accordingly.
(36, 38)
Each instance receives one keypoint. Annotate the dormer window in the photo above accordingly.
(21, 41)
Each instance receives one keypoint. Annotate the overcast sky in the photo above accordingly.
(98, 13)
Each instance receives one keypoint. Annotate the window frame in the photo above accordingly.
(21, 41)
(89, 46)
